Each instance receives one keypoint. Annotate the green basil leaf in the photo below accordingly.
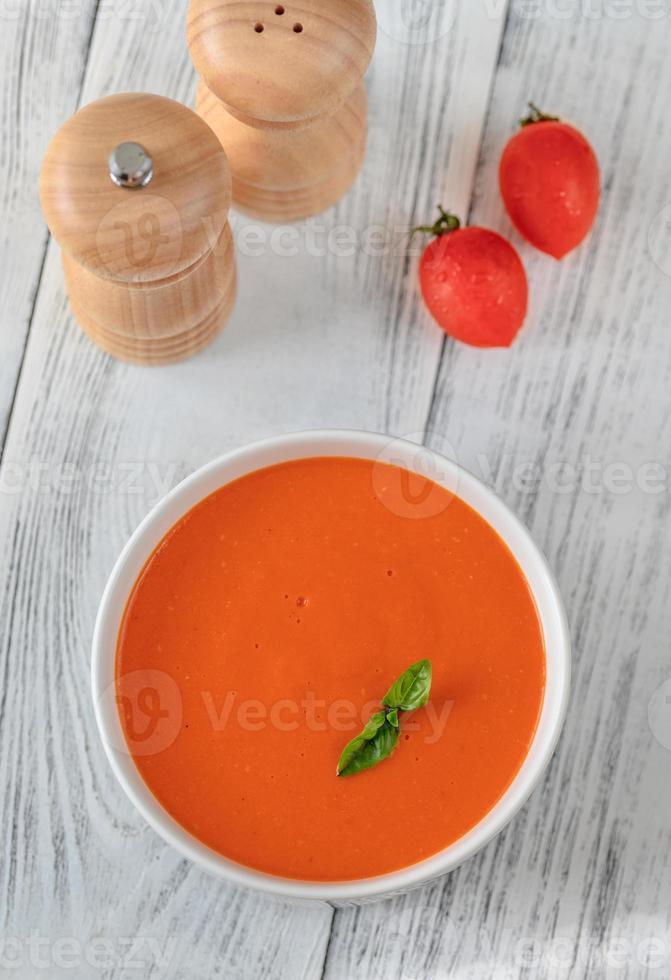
(412, 688)
(381, 734)
(376, 742)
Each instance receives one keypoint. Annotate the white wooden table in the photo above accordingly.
(572, 426)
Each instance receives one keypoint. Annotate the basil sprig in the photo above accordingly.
(380, 735)
(412, 689)
(376, 742)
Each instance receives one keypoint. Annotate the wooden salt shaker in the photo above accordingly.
(136, 188)
(282, 88)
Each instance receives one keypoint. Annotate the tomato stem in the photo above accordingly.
(442, 226)
(536, 116)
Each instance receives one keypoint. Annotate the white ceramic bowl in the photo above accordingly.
(360, 445)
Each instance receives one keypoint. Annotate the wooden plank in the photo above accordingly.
(583, 872)
(38, 93)
(320, 337)
(78, 865)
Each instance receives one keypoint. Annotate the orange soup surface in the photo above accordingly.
(267, 625)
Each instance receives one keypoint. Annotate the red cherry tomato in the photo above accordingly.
(473, 283)
(549, 179)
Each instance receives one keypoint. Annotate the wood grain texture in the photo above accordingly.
(100, 225)
(563, 426)
(281, 64)
(281, 86)
(154, 331)
(94, 443)
(39, 89)
(285, 175)
(150, 271)
(74, 856)
(154, 311)
(282, 89)
(324, 333)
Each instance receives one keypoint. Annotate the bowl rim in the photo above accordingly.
(357, 444)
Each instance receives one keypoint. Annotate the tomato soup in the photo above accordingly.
(263, 632)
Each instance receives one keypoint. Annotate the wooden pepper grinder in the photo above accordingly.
(136, 188)
(282, 89)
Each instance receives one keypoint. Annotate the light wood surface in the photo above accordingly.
(156, 323)
(290, 174)
(281, 87)
(140, 325)
(281, 64)
(324, 336)
(150, 271)
(29, 46)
